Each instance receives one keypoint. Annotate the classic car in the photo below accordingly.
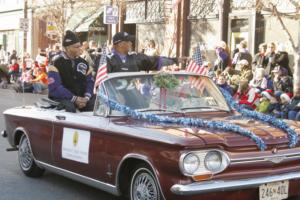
(154, 136)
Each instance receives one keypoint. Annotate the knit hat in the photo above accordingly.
(70, 38)
(285, 97)
(267, 94)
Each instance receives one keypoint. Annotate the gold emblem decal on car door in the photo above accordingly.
(75, 138)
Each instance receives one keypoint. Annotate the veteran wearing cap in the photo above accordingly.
(122, 59)
(70, 79)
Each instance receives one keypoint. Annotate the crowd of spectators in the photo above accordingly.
(263, 82)
(28, 74)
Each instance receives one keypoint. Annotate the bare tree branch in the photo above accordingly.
(62, 11)
(296, 4)
(286, 31)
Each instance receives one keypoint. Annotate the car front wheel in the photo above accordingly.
(143, 185)
(26, 160)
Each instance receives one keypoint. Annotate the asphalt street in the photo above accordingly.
(16, 186)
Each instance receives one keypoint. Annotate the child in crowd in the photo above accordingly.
(221, 82)
(40, 83)
(24, 83)
(285, 100)
(242, 96)
(267, 102)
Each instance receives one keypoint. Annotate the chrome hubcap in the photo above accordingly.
(144, 188)
(25, 155)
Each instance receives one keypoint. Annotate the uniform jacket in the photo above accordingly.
(69, 78)
(132, 62)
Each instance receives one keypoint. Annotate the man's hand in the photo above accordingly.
(81, 102)
(171, 68)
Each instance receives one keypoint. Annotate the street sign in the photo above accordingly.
(111, 15)
(51, 28)
(24, 24)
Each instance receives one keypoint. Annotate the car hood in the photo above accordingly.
(191, 136)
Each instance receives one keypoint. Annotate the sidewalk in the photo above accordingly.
(11, 87)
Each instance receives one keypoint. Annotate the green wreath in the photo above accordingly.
(166, 80)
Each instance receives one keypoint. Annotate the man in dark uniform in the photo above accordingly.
(121, 59)
(70, 79)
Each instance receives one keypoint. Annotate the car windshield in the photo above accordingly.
(192, 94)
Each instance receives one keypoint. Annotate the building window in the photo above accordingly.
(155, 10)
(145, 11)
(135, 12)
(203, 9)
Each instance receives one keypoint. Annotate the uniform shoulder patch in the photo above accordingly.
(110, 55)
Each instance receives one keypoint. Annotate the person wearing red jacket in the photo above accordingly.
(13, 70)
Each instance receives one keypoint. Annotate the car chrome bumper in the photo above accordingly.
(218, 186)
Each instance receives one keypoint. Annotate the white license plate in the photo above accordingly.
(274, 191)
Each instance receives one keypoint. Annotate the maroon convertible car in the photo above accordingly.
(139, 142)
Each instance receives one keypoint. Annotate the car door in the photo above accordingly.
(38, 128)
(78, 144)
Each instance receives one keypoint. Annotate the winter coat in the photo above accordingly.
(263, 106)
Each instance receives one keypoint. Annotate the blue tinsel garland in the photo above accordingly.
(292, 135)
(184, 121)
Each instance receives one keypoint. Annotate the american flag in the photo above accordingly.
(196, 62)
(196, 66)
(198, 83)
(102, 70)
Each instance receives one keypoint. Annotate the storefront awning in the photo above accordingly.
(89, 16)
(10, 20)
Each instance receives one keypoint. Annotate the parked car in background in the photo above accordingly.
(142, 147)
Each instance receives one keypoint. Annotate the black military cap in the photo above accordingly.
(122, 36)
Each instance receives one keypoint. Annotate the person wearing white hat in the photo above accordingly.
(285, 99)
(223, 56)
(246, 72)
(282, 112)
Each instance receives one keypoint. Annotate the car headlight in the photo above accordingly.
(203, 162)
(215, 161)
(191, 163)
